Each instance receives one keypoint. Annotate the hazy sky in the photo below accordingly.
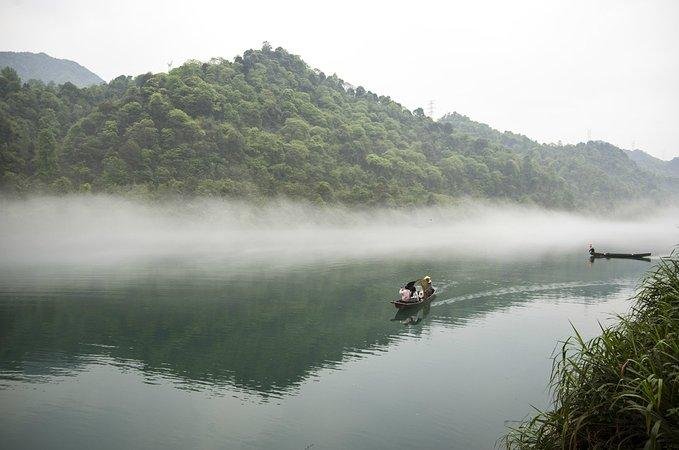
(549, 69)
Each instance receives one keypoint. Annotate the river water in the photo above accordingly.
(179, 352)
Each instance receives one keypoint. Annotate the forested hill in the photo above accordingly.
(597, 171)
(267, 125)
(39, 66)
(654, 165)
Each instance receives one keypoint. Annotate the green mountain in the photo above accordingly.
(268, 125)
(653, 164)
(39, 66)
(596, 171)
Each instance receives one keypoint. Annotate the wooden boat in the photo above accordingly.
(621, 255)
(412, 304)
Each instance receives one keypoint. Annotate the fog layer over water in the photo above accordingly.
(104, 229)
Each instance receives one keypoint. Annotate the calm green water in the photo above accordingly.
(181, 354)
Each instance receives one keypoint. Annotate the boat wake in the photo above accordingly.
(527, 289)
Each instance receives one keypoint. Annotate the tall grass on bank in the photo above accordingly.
(621, 389)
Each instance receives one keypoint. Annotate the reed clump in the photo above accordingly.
(621, 389)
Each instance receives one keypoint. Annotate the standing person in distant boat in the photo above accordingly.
(591, 250)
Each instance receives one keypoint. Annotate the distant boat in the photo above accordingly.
(621, 255)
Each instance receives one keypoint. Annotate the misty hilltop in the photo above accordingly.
(653, 164)
(40, 66)
(267, 125)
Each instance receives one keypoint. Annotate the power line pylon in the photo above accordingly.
(430, 110)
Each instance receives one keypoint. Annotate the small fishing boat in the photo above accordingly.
(621, 255)
(412, 304)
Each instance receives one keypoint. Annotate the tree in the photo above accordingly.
(115, 171)
(46, 155)
(9, 81)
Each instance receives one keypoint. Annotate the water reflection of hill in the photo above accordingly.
(263, 330)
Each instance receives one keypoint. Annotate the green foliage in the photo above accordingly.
(621, 389)
(266, 125)
(9, 81)
(46, 155)
(596, 173)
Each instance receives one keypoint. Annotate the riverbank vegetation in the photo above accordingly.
(621, 389)
(267, 125)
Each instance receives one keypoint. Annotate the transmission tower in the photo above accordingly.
(430, 109)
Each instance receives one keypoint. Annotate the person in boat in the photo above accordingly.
(591, 250)
(426, 286)
(411, 287)
(408, 292)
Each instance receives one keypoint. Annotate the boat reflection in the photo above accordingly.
(594, 258)
(412, 316)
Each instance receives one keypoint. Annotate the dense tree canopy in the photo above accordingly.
(596, 172)
(267, 125)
